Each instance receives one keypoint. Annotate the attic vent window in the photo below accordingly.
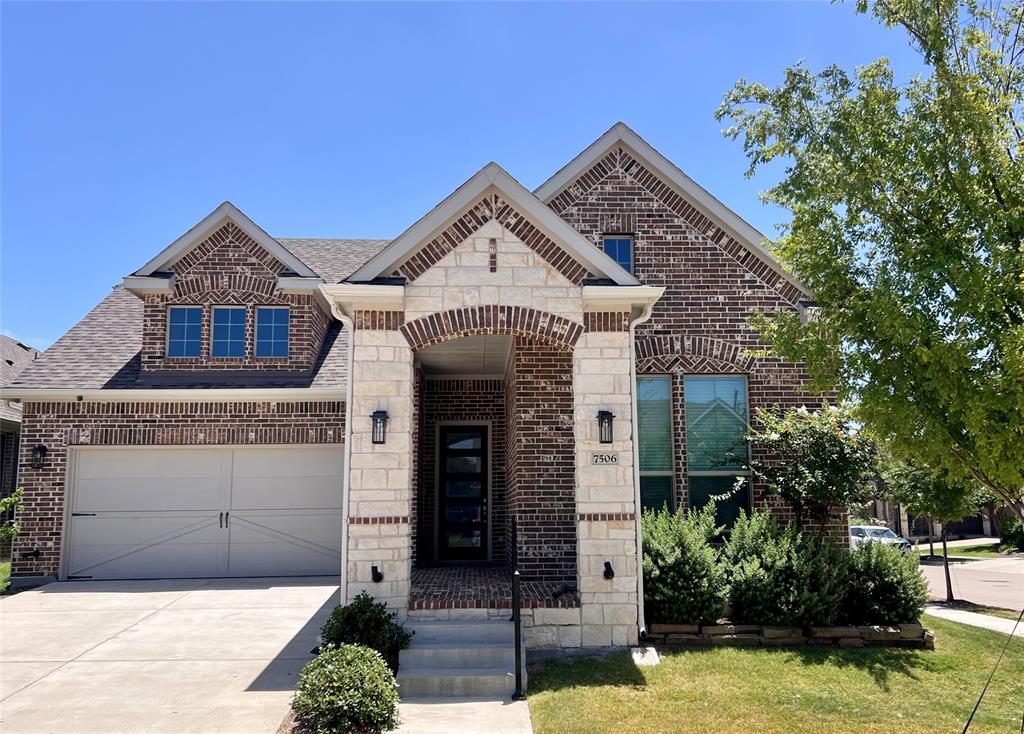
(620, 249)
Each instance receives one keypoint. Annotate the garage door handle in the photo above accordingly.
(220, 521)
(227, 517)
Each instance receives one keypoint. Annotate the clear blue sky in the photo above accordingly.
(125, 123)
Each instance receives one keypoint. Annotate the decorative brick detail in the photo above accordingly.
(452, 401)
(492, 208)
(665, 353)
(518, 320)
(620, 162)
(606, 517)
(229, 268)
(379, 320)
(386, 520)
(606, 321)
(59, 425)
(541, 458)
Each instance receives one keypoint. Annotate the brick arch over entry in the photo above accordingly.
(689, 353)
(518, 320)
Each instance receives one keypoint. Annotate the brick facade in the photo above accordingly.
(229, 268)
(62, 425)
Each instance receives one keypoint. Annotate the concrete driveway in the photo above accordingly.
(196, 655)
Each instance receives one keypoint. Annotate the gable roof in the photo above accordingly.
(333, 259)
(211, 223)
(492, 178)
(14, 358)
(621, 134)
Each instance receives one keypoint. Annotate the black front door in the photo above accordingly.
(462, 461)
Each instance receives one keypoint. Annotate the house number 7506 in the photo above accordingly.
(605, 459)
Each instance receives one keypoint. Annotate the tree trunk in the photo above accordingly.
(931, 539)
(945, 562)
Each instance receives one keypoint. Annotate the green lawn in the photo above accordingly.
(5, 571)
(983, 550)
(805, 689)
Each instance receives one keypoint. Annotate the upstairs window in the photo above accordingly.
(620, 249)
(272, 331)
(228, 331)
(184, 331)
(716, 443)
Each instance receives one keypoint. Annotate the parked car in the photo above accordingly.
(860, 534)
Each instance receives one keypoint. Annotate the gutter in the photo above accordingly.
(644, 316)
(349, 325)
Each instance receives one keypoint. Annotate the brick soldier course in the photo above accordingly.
(397, 327)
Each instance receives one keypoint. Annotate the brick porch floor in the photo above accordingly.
(481, 586)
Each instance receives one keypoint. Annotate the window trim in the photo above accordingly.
(256, 334)
(670, 473)
(167, 331)
(720, 472)
(213, 323)
(632, 249)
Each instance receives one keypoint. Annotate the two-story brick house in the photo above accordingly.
(250, 406)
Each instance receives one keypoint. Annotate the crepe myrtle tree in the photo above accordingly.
(907, 204)
(936, 495)
(820, 465)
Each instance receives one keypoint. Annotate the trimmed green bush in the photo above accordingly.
(684, 581)
(781, 576)
(1011, 534)
(347, 690)
(365, 621)
(885, 586)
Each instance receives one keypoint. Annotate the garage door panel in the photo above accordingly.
(300, 493)
(290, 542)
(123, 545)
(154, 493)
(288, 463)
(147, 463)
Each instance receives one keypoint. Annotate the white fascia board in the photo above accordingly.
(492, 178)
(304, 286)
(719, 213)
(143, 285)
(349, 297)
(207, 226)
(614, 297)
(284, 394)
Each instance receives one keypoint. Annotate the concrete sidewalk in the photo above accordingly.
(456, 716)
(996, 624)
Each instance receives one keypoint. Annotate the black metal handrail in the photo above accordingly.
(517, 622)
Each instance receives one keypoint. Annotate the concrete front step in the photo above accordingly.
(445, 655)
(462, 632)
(448, 682)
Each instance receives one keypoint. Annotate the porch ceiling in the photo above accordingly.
(482, 355)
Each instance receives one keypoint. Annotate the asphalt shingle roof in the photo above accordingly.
(14, 358)
(102, 351)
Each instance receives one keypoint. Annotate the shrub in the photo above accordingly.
(347, 690)
(365, 621)
(781, 576)
(885, 586)
(1011, 534)
(684, 581)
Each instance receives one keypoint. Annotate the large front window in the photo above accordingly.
(654, 425)
(272, 331)
(716, 444)
(228, 331)
(184, 331)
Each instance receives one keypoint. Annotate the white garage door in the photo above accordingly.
(195, 512)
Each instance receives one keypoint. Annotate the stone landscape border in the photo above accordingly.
(755, 635)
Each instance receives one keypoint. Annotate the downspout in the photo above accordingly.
(644, 316)
(348, 324)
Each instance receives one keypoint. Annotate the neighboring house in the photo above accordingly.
(14, 357)
(244, 405)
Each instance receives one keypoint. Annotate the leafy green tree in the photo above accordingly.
(819, 465)
(936, 495)
(907, 203)
(9, 506)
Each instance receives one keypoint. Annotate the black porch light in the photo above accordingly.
(38, 454)
(604, 425)
(380, 426)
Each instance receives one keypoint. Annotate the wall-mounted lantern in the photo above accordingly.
(38, 454)
(604, 425)
(380, 426)
(609, 572)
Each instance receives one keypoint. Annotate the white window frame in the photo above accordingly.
(256, 333)
(632, 249)
(167, 331)
(213, 322)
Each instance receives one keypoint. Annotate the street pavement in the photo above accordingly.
(996, 582)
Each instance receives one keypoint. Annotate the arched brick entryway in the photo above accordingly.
(471, 320)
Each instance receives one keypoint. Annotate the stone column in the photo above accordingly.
(380, 479)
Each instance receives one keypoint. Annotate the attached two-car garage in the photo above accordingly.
(187, 512)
